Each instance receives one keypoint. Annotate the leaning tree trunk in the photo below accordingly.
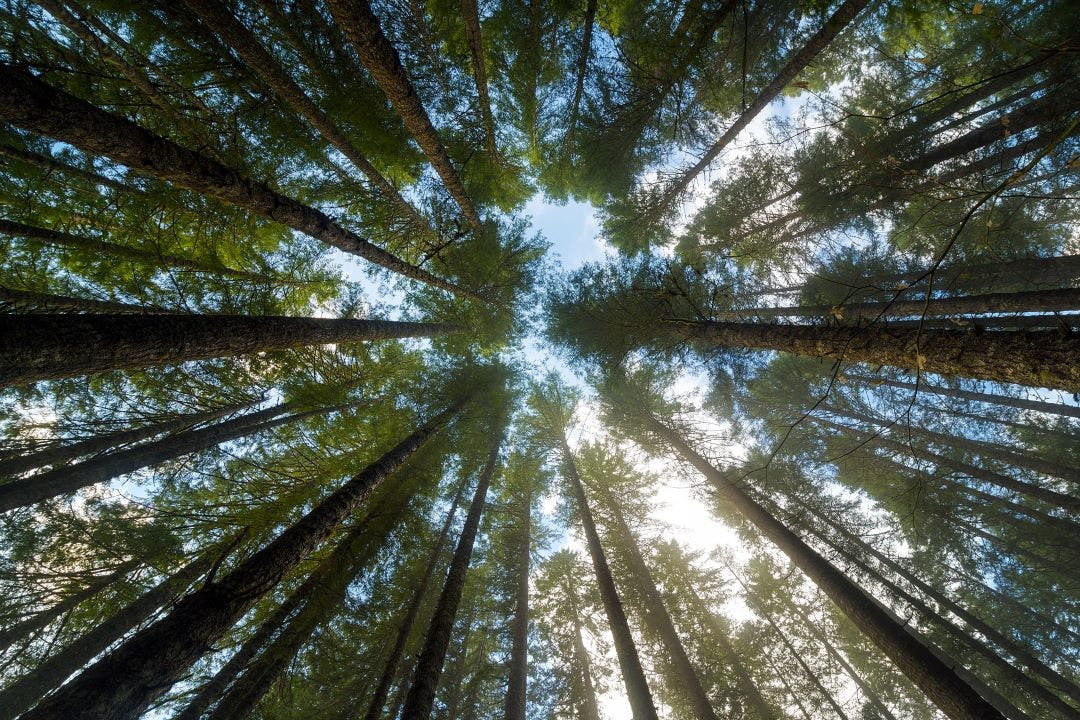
(96, 248)
(51, 164)
(471, 16)
(62, 453)
(807, 670)
(123, 683)
(11, 635)
(658, 619)
(937, 679)
(1019, 403)
(349, 558)
(361, 27)
(519, 650)
(397, 652)
(1044, 358)
(247, 45)
(637, 689)
(976, 447)
(20, 696)
(32, 104)
(856, 313)
(840, 19)
(429, 664)
(49, 346)
(22, 300)
(63, 480)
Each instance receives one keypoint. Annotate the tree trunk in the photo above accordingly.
(637, 689)
(429, 664)
(580, 666)
(99, 443)
(658, 619)
(840, 19)
(34, 105)
(1020, 403)
(21, 300)
(856, 313)
(63, 480)
(96, 248)
(976, 447)
(39, 620)
(941, 684)
(397, 653)
(1061, 500)
(1044, 358)
(53, 165)
(471, 15)
(53, 346)
(122, 684)
(21, 695)
(361, 27)
(807, 670)
(582, 66)
(762, 708)
(514, 708)
(217, 16)
(322, 597)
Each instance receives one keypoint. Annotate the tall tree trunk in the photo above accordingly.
(941, 684)
(879, 707)
(20, 300)
(32, 104)
(589, 708)
(217, 16)
(807, 670)
(514, 708)
(1056, 499)
(657, 617)
(471, 15)
(20, 696)
(52, 346)
(361, 27)
(856, 313)
(840, 19)
(1022, 654)
(429, 664)
(321, 603)
(397, 652)
(976, 447)
(582, 69)
(99, 443)
(124, 682)
(95, 247)
(1043, 358)
(37, 621)
(637, 688)
(63, 480)
(51, 164)
(1020, 403)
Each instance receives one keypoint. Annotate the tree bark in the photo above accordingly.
(21, 300)
(32, 104)
(840, 19)
(1020, 403)
(95, 247)
(1043, 358)
(217, 16)
(62, 453)
(471, 15)
(20, 696)
(1015, 302)
(429, 664)
(122, 684)
(51, 164)
(514, 708)
(637, 688)
(361, 27)
(63, 480)
(44, 346)
(657, 617)
(397, 652)
(941, 684)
